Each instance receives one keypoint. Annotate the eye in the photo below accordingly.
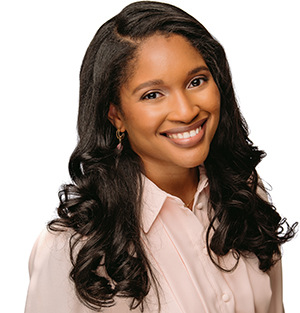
(151, 95)
(198, 81)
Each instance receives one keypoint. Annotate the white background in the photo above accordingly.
(42, 46)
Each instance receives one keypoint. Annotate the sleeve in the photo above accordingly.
(275, 274)
(50, 289)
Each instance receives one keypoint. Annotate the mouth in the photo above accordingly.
(187, 136)
(185, 132)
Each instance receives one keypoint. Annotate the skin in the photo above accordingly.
(170, 94)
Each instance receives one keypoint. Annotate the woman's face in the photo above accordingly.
(170, 105)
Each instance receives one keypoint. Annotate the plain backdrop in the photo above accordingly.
(42, 46)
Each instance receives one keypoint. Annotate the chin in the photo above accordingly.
(193, 164)
(196, 160)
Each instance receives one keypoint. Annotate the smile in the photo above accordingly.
(185, 135)
(188, 136)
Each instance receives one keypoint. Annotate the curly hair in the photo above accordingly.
(102, 204)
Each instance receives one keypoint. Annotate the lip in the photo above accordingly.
(190, 141)
(185, 128)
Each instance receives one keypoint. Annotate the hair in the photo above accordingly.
(102, 205)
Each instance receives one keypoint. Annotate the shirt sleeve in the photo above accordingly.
(275, 274)
(50, 289)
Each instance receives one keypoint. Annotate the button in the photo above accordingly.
(199, 206)
(225, 297)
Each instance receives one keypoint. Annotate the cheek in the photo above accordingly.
(210, 99)
(216, 103)
(146, 120)
(216, 115)
(216, 111)
(139, 127)
(213, 107)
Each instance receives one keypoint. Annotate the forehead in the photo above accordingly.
(159, 56)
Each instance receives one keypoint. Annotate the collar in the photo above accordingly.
(154, 198)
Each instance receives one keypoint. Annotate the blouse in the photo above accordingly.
(174, 240)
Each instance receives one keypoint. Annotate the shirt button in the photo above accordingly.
(225, 297)
(199, 206)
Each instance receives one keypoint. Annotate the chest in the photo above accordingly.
(188, 281)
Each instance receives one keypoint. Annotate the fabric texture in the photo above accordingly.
(174, 237)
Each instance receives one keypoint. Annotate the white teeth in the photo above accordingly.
(185, 135)
(193, 133)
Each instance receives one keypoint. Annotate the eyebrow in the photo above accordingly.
(158, 82)
(198, 69)
(149, 83)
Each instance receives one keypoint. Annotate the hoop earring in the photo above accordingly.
(120, 136)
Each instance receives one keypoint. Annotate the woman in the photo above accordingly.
(166, 211)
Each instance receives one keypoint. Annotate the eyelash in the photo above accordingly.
(204, 79)
(148, 95)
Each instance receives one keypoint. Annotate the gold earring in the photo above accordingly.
(120, 136)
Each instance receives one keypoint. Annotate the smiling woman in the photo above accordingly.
(166, 212)
(170, 111)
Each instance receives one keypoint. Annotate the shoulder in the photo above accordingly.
(50, 289)
(49, 239)
(275, 274)
(50, 246)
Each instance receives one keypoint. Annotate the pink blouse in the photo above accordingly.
(174, 237)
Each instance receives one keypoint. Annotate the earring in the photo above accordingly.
(120, 136)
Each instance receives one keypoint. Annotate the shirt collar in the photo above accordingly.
(153, 198)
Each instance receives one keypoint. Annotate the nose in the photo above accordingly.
(182, 108)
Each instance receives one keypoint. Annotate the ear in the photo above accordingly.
(116, 118)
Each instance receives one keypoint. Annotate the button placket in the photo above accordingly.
(199, 206)
(225, 297)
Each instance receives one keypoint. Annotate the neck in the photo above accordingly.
(181, 183)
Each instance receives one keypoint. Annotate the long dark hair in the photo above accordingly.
(102, 205)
